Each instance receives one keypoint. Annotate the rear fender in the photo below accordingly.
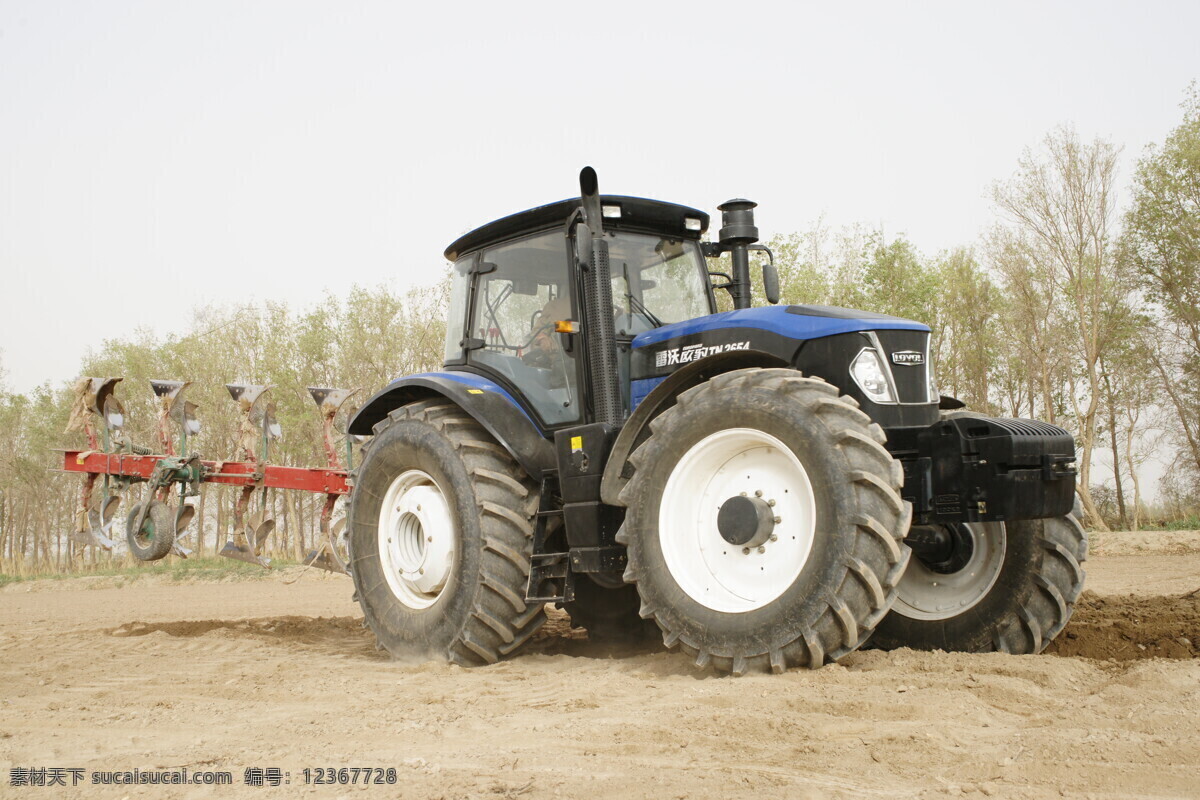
(636, 430)
(487, 403)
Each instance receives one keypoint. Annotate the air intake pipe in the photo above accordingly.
(598, 327)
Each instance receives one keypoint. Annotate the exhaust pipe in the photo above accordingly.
(738, 232)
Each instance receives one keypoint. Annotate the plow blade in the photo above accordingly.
(248, 545)
(242, 552)
(246, 394)
(100, 519)
(332, 555)
(183, 518)
(324, 558)
(98, 391)
(168, 390)
(330, 400)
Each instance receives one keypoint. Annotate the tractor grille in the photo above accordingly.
(912, 380)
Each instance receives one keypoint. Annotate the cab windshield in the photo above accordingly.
(656, 281)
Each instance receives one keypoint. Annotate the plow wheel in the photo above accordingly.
(154, 539)
(770, 537)
(440, 529)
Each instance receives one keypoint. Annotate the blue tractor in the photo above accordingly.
(763, 488)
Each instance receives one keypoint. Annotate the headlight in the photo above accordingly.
(867, 371)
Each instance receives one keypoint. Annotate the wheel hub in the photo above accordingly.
(945, 549)
(416, 539)
(746, 521)
(955, 568)
(737, 520)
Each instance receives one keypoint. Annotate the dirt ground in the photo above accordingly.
(235, 674)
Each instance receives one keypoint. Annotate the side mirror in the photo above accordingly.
(770, 274)
(771, 283)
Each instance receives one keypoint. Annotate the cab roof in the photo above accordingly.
(637, 214)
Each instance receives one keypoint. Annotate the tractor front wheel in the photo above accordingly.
(764, 523)
(992, 586)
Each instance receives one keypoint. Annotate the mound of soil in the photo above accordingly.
(1129, 627)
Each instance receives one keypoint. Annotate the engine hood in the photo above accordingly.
(794, 322)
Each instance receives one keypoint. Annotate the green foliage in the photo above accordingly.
(1161, 246)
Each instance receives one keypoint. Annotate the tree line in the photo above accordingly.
(1079, 306)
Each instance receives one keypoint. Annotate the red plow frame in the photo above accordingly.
(156, 526)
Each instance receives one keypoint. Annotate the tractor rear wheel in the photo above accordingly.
(995, 586)
(440, 537)
(764, 523)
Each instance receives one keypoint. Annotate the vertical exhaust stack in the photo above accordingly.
(738, 232)
(597, 307)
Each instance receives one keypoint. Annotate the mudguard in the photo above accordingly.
(487, 402)
(660, 397)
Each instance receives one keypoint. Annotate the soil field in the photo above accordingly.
(226, 675)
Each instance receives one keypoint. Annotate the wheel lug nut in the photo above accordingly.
(770, 502)
(429, 538)
(762, 549)
(745, 551)
(758, 492)
(774, 537)
(418, 506)
(743, 494)
(778, 520)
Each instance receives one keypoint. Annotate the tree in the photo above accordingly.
(1061, 216)
(1162, 245)
(965, 339)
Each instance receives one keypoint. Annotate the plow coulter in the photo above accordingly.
(172, 473)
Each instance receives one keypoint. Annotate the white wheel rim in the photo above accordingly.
(928, 595)
(710, 570)
(416, 539)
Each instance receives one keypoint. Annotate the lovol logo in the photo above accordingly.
(908, 358)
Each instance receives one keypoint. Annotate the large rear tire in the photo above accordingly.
(440, 537)
(812, 581)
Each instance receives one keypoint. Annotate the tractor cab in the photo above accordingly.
(518, 297)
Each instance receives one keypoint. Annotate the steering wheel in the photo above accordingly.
(535, 355)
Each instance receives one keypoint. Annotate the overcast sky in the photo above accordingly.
(156, 156)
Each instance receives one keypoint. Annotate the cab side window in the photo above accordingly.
(523, 287)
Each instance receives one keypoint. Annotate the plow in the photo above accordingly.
(171, 474)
